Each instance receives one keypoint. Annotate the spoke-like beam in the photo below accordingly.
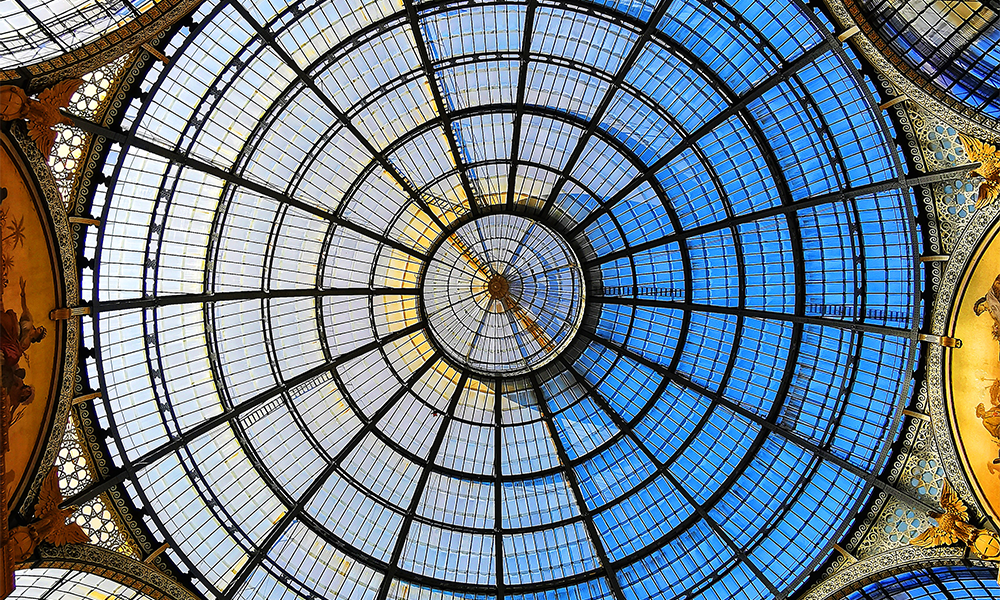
(286, 520)
(225, 416)
(522, 86)
(627, 63)
(574, 485)
(418, 490)
(42, 26)
(276, 532)
(662, 468)
(266, 35)
(238, 180)
(757, 314)
(787, 434)
(782, 209)
(720, 532)
(783, 74)
(174, 299)
(423, 50)
(498, 486)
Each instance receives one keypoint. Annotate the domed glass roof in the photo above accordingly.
(65, 584)
(956, 45)
(500, 299)
(36, 30)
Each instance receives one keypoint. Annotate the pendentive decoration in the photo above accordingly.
(41, 114)
(953, 528)
(50, 526)
(988, 169)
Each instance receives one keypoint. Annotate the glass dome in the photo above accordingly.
(502, 299)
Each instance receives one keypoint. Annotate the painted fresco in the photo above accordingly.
(27, 336)
(973, 372)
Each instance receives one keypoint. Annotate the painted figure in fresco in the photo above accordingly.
(19, 333)
(991, 302)
(16, 336)
(991, 421)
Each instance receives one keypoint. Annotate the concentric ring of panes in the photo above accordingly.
(503, 295)
(732, 195)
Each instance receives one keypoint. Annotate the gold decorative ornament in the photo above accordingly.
(953, 528)
(50, 527)
(41, 114)
(989, 168)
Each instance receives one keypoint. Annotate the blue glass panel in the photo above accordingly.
(685, 95)
(870, 406)
(625, 385)
(747, 184)
(641, 125)
(957, 582)
(692, 193)
(655, 333)
(596, 589)
(642, 216)
(693, 557)
(714, 268)
(671, 420)
(737, 55)
(724, 440)
(798, 538)
(640, 519)
(761, 361)
(769, 267)
(708, 348)
(762, 492)
(613, 473)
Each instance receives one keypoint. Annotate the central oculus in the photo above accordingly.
(503, 295)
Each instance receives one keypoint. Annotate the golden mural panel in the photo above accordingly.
(29, 339)
(972, 372)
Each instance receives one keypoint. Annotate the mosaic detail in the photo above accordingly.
(89, 101)
(94, 517)
(938, 147)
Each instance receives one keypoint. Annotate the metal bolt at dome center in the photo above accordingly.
(498, 287)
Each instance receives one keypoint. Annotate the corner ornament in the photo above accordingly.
(42, 113)
(50, 526)
(953, 528)
(989, 168)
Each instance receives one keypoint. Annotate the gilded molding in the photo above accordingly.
(910, 83)
(117, 567)
(71, 297)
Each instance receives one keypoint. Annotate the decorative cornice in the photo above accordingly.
(117, 567)
(909, 82)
